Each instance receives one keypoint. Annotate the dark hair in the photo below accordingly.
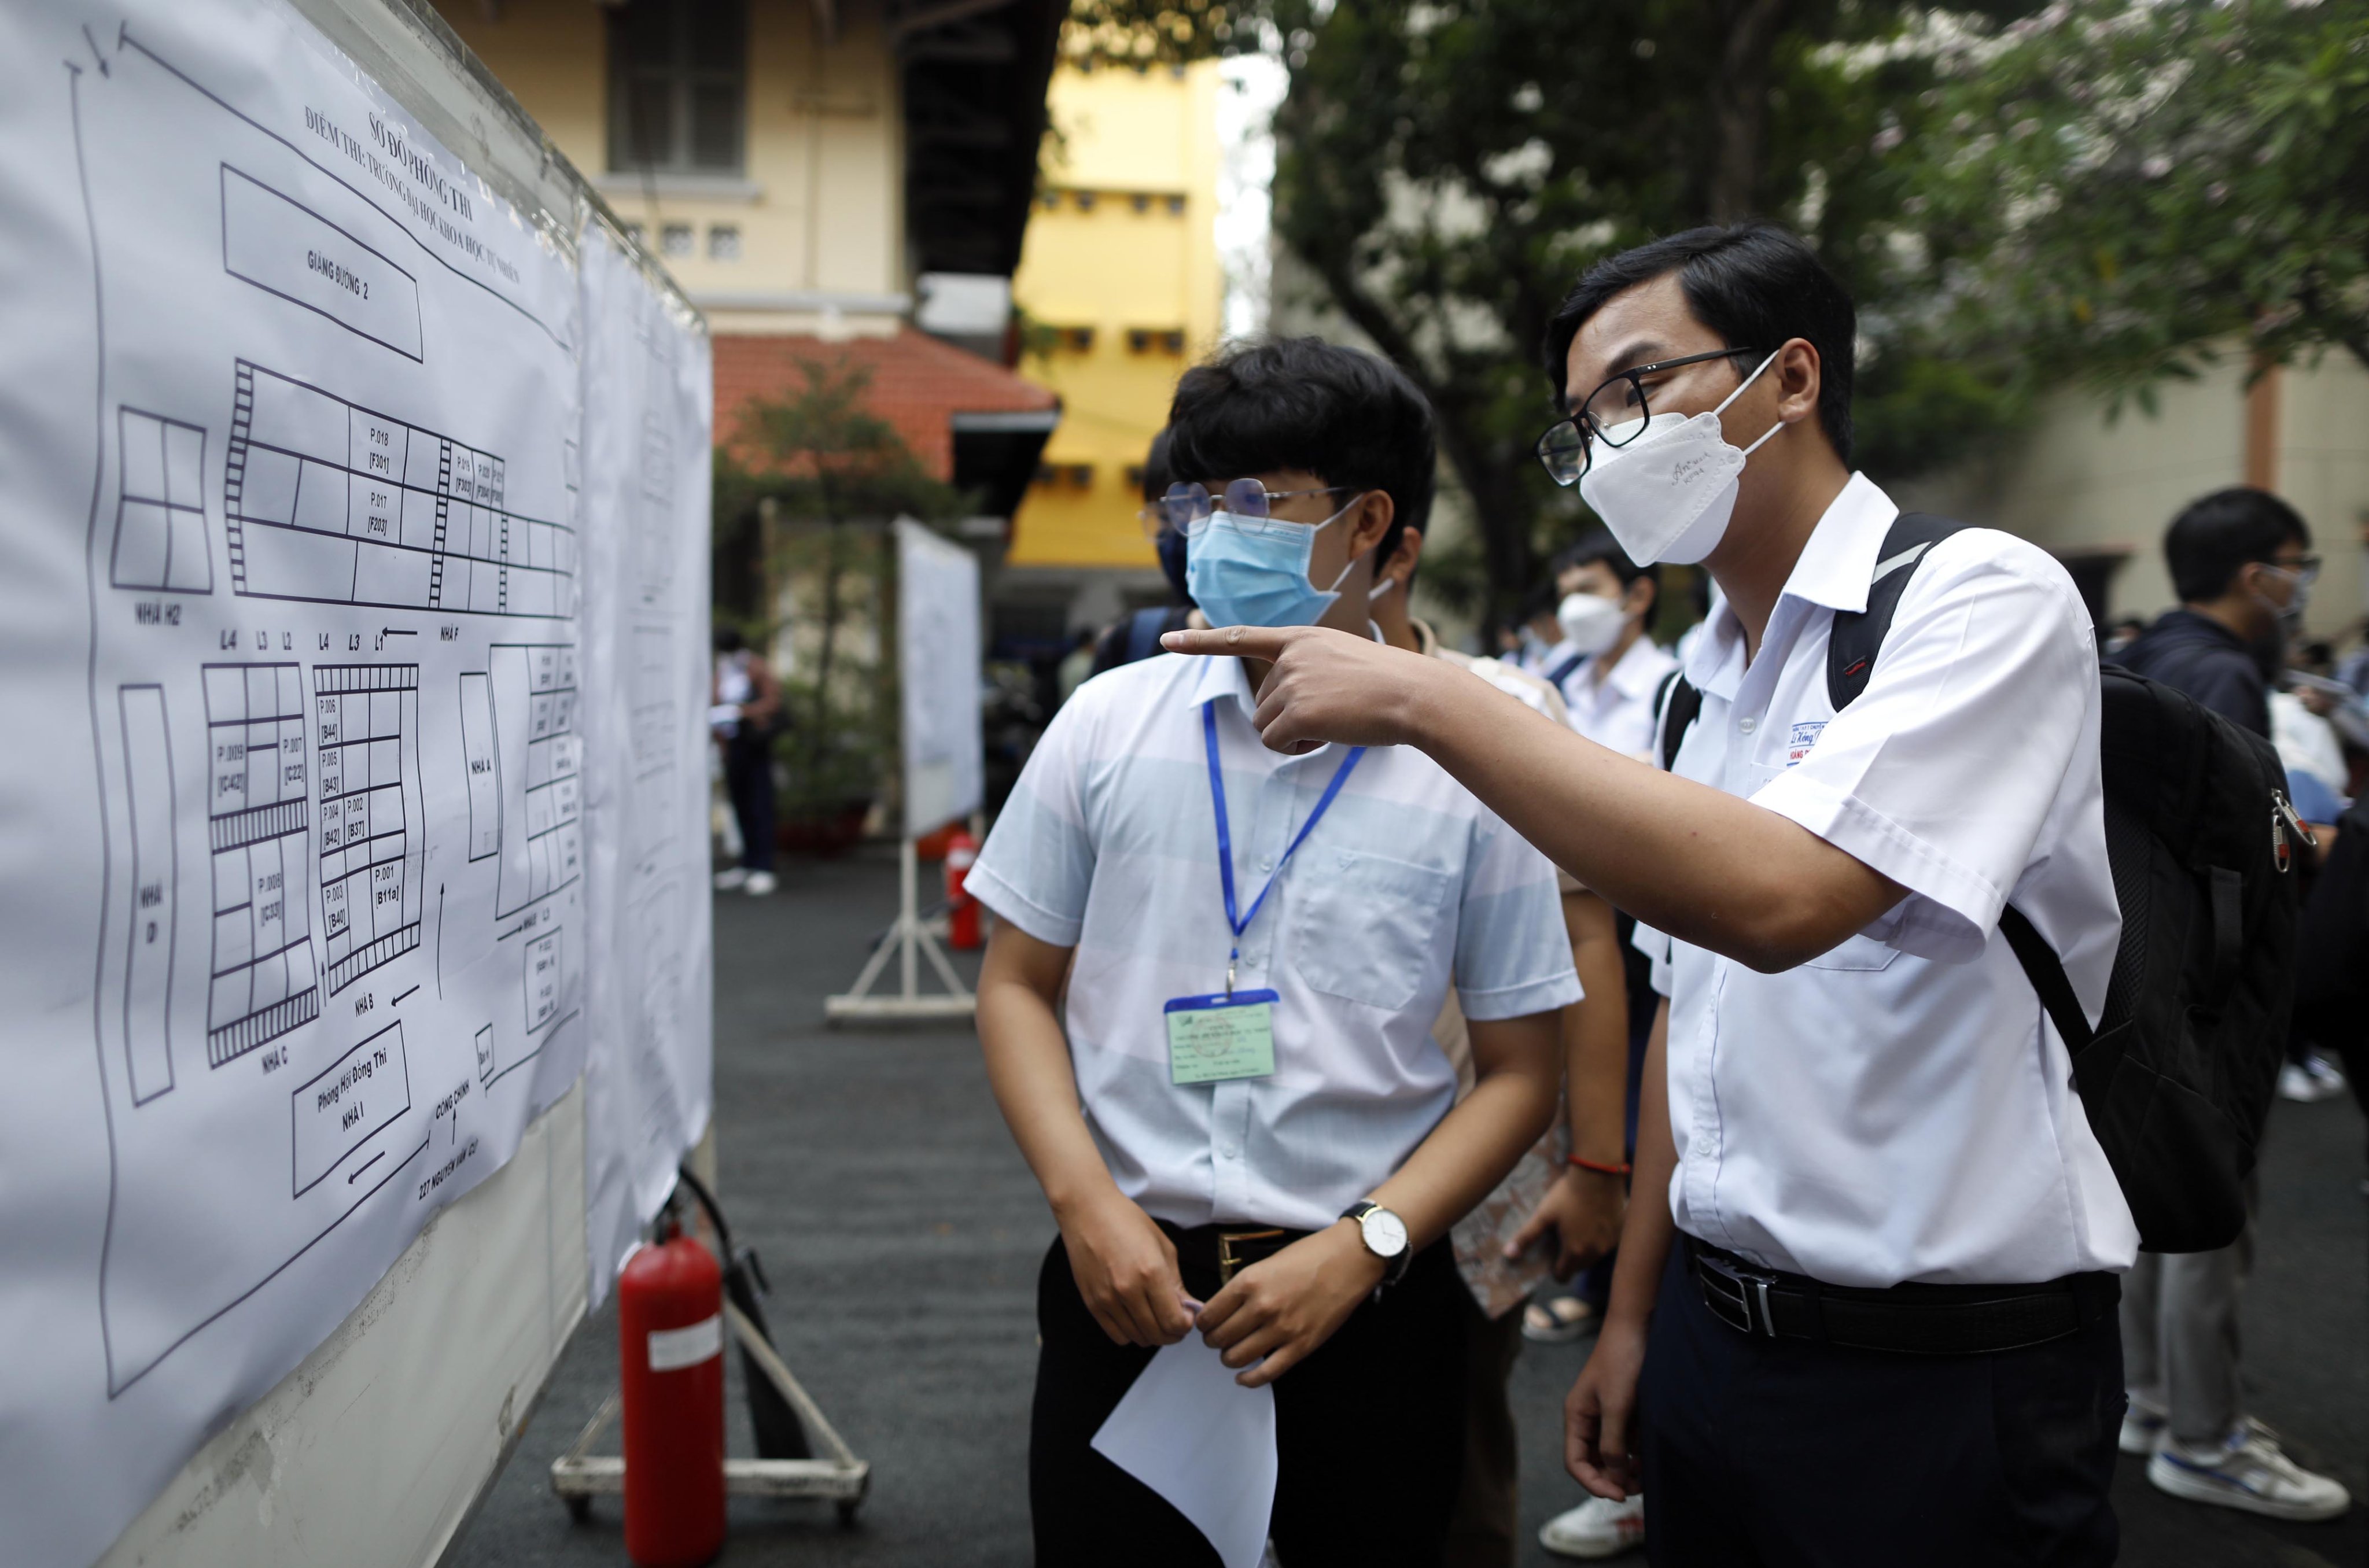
(1756, 285)
(1156, 478)
(2217, 536)
(730, 640)
(1540, 601)
(1342, 415)
(1597, 545)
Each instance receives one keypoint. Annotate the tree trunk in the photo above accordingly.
(1502, 511)
(1740, 107)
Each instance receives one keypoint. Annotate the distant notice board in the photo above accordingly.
(353, 659)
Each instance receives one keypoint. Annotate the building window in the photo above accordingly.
(674, 239)
(1140, 202)
(1172, 341)
(1085, 201)
(724, 242)
(1047, 475)
(1081, 475)
(1176, 206)
(678, 79)
(633, 232)
(1080, 339)
(1135, 477)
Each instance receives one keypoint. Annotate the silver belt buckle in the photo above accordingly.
(1733, 1293)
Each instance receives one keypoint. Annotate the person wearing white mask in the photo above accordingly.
(1865, 1307)
(1605, 610)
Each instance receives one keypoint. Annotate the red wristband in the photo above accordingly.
(1599, 1167)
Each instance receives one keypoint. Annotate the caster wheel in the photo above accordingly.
(847, 1506)
(579, 1509)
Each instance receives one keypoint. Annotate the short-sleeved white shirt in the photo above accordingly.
(1617, 712)
(1108, 844)
(1900, 1108)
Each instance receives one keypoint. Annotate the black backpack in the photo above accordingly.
(2177, 1078)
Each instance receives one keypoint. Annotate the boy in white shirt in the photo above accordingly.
(1238, 1113)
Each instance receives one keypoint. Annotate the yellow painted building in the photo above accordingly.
(1120, 284)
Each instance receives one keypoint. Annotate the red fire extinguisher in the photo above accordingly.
(670, 1340)
(962, 909)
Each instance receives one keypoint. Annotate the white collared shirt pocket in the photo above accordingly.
(1369, 927)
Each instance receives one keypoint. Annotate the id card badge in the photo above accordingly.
(1212, 1038)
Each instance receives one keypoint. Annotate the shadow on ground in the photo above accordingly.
(903, 1233)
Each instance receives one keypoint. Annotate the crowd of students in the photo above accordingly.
(1346, 987)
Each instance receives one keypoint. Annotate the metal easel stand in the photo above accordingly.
(579, 1476)
(908, 939)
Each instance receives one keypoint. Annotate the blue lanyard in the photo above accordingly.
(1240, 924)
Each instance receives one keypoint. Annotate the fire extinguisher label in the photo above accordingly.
(673, 1349)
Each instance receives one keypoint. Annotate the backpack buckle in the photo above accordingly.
(2283, 818)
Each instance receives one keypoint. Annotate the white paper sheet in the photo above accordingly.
(294, 922)
(1204, 1442)
(648, 393)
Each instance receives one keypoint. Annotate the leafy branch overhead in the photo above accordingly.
(2146, 184)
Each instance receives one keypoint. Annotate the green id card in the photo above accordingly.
(1211, 1039)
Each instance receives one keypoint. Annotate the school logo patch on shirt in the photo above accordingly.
(1804, 736)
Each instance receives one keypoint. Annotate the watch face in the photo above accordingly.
(1386, 1233)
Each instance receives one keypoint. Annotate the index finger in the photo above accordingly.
(1251, 642)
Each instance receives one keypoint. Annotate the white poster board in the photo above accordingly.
(648, 410)
(327, 670)
(937, 669)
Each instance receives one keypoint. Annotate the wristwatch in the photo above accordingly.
(1385, 1235)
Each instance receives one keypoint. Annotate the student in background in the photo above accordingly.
(1606, 612)
(745, 705)
(1553, 1213)
(2242, 565)
(1234, 1105)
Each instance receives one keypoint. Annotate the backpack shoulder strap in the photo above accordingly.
(1680, 702)
(1143, 629)
(1562, 673)
(1859, 633)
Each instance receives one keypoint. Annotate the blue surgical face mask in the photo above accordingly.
(1254, 571)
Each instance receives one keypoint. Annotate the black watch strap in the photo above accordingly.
(1393, 1269)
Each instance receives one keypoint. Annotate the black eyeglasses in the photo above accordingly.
(1614, 414)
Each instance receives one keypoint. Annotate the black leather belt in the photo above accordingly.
(1916, 1320)
(1222, 1249)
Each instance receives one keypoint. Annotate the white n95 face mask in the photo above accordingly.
(1668, 493)
(1590, 621)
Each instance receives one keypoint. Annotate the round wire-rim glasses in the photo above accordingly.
(1188, 507)
(1567, 447)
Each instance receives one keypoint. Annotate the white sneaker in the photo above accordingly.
(760, 883)
(2313, 1079)
(726, 881)
(1598, 1527)
(2144, 1425)
(2248, 1471)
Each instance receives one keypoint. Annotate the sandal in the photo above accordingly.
(1558, 1320)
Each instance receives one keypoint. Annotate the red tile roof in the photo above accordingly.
(917, 384)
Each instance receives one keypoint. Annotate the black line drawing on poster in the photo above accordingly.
(328, 502)
(366, 724)
(285, 248)
(160, 508)
(149, 943)
(534, 695)
(264, 981)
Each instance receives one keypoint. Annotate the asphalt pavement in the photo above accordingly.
(902, 1234)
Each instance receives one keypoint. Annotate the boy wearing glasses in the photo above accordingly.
(1236, 1108)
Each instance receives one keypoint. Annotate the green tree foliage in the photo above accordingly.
(829, 473)
(2142, 186)
(1446, 170)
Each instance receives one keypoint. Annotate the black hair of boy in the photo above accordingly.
(1597, 545)
(2219, 535)
(1754, 284)
(1347, 417)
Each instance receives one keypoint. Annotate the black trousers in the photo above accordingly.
(1369, 1431)
(1787, 1452)
(749, 776)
